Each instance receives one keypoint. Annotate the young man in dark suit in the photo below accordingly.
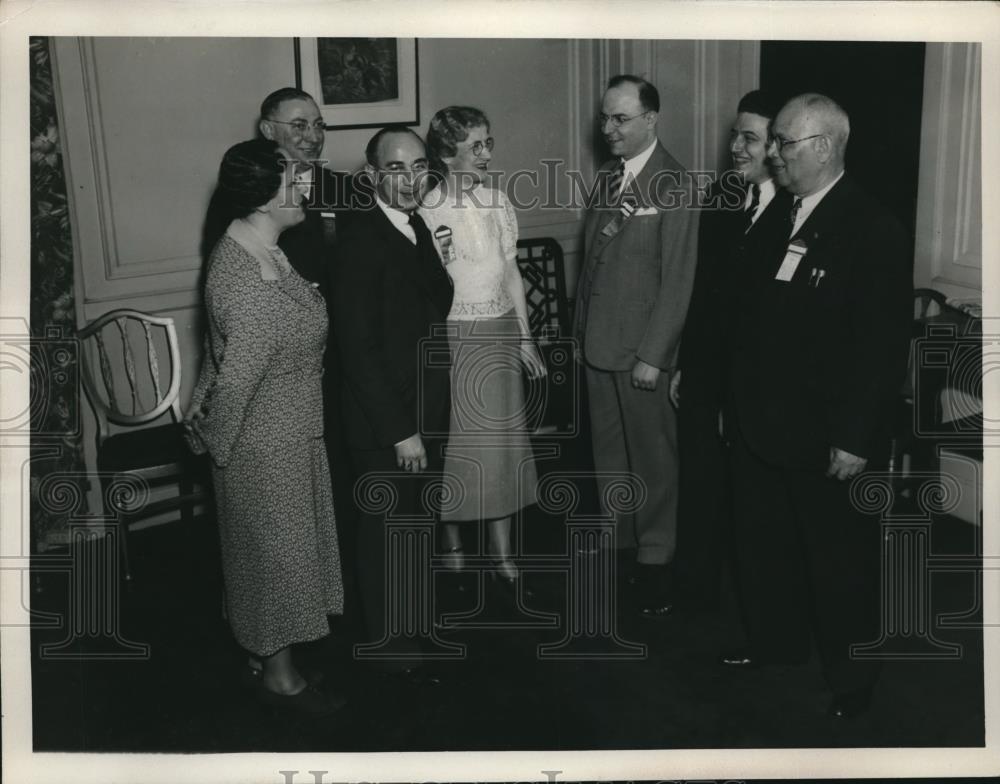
(737, 201)
(819, 349)
(390, 291)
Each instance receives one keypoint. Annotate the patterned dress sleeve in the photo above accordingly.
(238, 304)
(508, 230)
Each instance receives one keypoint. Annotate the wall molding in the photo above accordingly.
(948, 242)
(105, 273)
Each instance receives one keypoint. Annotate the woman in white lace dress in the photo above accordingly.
(475, 228)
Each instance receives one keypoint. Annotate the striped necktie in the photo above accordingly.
(796, 206)
(615, 183)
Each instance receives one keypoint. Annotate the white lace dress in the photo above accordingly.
(489, 453)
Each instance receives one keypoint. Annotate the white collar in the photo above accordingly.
(635, 164)
(767, 191)
(809, 202)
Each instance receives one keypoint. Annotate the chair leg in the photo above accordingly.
(123, 537)
(186, 487)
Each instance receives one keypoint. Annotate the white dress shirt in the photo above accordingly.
(634, 164)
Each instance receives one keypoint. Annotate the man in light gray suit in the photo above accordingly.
(638, 271)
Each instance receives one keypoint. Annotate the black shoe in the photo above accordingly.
(250, 676)
(654, 594)
(739, 658)
(850, 705)
(310, 701)
(656, 609)
(510, 585)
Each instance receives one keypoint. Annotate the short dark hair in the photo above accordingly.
(649, 96)
(448, 127)
(249, 176)
(371, 150)
(270, 104)
(759, 102)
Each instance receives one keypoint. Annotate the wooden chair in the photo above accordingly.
(918, 427)
(130, 384)
(541, 264)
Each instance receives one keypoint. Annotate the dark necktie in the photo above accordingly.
(748, 213)
(796, 206)
(424, 242)
(428, 255)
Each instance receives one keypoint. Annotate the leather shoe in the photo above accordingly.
(739, 658)
(310, 700)
(850, 705)
(659, 609)
(417, 675)
(250, 676)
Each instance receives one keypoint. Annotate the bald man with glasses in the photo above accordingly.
(820, 339)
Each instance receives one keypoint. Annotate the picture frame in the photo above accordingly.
(360, 82)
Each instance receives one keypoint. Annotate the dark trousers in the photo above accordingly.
(705, 504)
(408, 492)
(806, 560)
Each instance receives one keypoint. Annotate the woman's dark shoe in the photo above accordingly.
(250, 676)
(505, 575)
(310, 700)
(454, 559)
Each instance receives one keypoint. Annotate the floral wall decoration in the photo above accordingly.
(54, 377)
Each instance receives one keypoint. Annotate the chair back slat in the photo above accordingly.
(154, 364)
(541, 264)
(129, 363)
(109, 383)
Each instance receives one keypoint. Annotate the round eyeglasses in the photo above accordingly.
(617, 120)
(302, 126)
(478, 146)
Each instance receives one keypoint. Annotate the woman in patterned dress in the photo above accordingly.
(475, 227)
(258, 410)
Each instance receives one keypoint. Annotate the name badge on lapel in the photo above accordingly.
(795, 253)
(626, 211)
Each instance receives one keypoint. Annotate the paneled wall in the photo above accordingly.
(145, 123)
(949, 241)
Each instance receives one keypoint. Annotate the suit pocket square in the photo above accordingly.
(645, 211)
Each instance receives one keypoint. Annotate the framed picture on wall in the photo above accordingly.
(360, 82)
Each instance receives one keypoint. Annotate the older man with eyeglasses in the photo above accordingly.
(291, 117)
(820, 337)
(638, 270)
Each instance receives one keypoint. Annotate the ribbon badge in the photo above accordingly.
(443, 236)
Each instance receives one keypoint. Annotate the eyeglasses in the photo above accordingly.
(301, 126)
(617, 120)
(478, 146)
(781, 144)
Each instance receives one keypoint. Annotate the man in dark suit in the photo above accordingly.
(391, 289)
(819, 346)
(737, 201)
(639, 263)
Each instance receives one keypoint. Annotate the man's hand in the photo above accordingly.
(844, 465)
(410, 454)
(644, 376)
(675, 389)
